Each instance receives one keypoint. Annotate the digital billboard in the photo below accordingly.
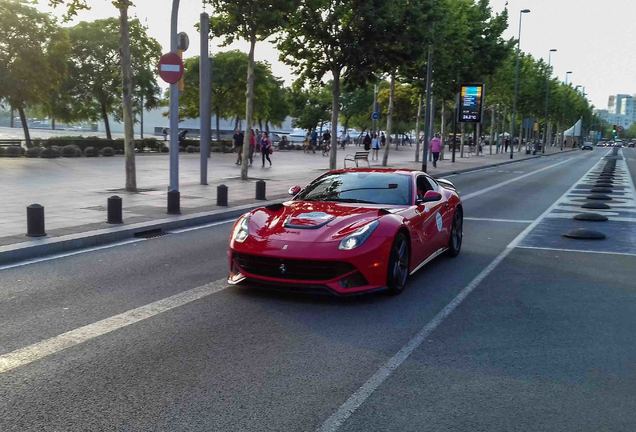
(471, 99)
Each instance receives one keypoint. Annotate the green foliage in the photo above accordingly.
(91, 151)
(71, 151)
(357, 106)
(33, 152)
(404, 105)
(310, 106)
(108, 152)
(50, 153)
(94, 79)
(12, 151)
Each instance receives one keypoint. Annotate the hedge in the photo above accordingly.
(12, 151)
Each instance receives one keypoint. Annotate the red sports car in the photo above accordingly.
(349, 231)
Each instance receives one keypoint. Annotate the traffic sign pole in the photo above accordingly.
(174, 104)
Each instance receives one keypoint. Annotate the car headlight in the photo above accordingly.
(241, 230)
(358, 237)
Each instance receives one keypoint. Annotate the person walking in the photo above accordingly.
(314, 140)
(266, 149)
(436, 148)
(252, 145)
(383, 139)
(238, 146)
(375, 147)
(367, 142)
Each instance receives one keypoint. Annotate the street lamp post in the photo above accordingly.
(547, 99)
(567, 74)
(514, 100)
(174, 105)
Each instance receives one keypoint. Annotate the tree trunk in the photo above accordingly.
(431, 127)
(417, 127)
(461, 140)
(442, 128)
(492, 127)
(12, 119)
(389, 122)
(236, 123)
(109, 135)
(266, 126)
(260, 125)
(335, 112)
(218, 127)
(126, 72)
(249, 109)
(53, 122)
(25, 127)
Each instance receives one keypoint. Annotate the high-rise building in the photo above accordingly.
(621, 110)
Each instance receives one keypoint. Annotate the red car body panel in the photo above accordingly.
(286, 248)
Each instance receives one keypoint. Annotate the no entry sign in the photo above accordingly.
(171, 68)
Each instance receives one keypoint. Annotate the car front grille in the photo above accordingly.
(292, 269)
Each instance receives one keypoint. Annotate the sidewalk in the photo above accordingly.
(74, 191)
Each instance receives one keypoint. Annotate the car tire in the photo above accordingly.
(398, 268)
(457, 234)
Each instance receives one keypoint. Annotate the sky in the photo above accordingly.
(595, 39)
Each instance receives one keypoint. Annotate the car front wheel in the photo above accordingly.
(398, 271)
(457, 234)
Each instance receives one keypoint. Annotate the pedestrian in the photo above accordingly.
(436, 148)
(182, 137)
(165, 134)
(238, 146)
(343, 140)
(506, 144)
(326, 142)
(375, 146)
(314, 140)
(252, 145)
(367, 142)
(383, 139)
(266, 148)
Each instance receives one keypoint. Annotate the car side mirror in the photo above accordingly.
(430, 196)
(294, 190)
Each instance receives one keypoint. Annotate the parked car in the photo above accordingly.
(587, 146)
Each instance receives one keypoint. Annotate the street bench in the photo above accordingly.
(357, 157)
(10, 143)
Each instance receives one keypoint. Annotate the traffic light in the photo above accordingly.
(614, 129)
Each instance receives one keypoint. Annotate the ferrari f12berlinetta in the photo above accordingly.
(348, 232)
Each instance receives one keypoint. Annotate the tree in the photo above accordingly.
(405, 100)
(249, 20)
(310, 106)
(94, 73)
(73, 6)
(357, 106)
(228, 88)
(32, 49)
(328, 37)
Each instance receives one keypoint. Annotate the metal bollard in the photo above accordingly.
(221, 195)
(114, 210)
(35, 221)
(174, 202)
(260, 190)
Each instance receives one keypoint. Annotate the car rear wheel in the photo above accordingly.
(457, 234)
(398, 272)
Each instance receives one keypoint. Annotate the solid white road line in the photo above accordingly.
(576, 250)
(516, 179)
(37, 351)
(519, 221)
(198, 227)
(338, 418)
(68, 254)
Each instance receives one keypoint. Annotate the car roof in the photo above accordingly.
(402, 171)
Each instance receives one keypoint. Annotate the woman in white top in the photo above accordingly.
(375, 147)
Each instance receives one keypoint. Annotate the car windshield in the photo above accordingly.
(360, 187)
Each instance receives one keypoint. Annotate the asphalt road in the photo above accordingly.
(516, 334)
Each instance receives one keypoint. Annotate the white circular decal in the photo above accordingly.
(438, 222)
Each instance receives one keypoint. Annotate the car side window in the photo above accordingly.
(423, 185)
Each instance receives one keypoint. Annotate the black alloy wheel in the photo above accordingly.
(457, 234)
(398, 271)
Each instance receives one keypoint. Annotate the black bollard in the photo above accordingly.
(174, 202)
(260, 190)
(114, 210)
(35, 221)
(221, 195)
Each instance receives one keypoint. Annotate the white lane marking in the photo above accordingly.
(45, 348)
(338, 418)
(577, 250)
(519, 221)
(516, 179)
(198, 227)
(68, 254)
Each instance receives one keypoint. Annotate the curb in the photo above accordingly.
(56, 245)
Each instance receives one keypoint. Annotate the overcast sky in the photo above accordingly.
(595, 39)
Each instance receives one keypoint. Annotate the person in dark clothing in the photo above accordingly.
(266, 148)
(367, 142)
(382, 139)
(238, 145)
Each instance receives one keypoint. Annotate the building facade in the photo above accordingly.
(621, 110)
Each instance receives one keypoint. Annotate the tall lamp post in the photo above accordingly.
(547, 99)
(516, 94)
